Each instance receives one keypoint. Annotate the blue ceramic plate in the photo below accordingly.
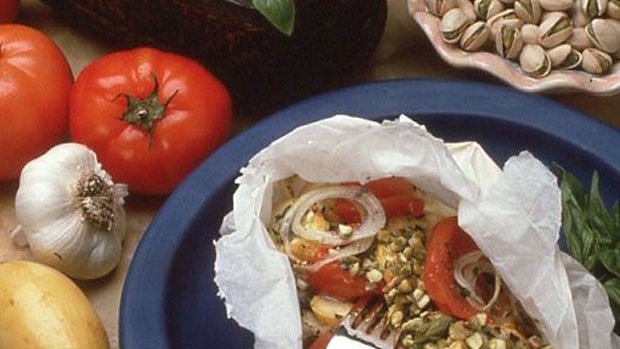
(169, 298)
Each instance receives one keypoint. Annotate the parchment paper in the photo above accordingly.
(513, 215)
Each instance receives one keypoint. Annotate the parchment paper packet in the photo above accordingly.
(513, 215)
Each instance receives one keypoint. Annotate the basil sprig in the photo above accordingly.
(592, 233)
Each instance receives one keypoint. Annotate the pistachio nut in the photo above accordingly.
(468, 7)
(529, 33)
(604, 35)
(579, 40)
(453, 24)
(534, 61)
(594, 8)
(595, 61)
(508, 2)
(564, 57)
(556, 5)
(506, 17)
(486, 9)
(476, 35)
(440, 7)
(528, 10)
(579, 18)
(508, 41)
(554, 29)
(613, 9)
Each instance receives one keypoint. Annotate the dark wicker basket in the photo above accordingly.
(332, 40)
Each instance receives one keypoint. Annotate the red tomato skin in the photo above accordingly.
(35, 80)
(447, 242)
(331, 280)
(195, 122)
(396, 194)
(8, 10)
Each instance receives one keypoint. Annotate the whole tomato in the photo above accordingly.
(151, 116)
(8, 10)
(35, 81)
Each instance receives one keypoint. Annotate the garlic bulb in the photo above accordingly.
(70, 212)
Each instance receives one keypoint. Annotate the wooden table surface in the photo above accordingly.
(403, 52)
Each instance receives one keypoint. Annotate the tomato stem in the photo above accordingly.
(144, 112)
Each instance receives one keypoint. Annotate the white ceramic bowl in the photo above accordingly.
(558, 81)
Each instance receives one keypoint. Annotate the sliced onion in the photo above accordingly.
(467, 269)
(373, 216)
(360, 240)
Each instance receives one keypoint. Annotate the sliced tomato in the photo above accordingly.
(396, 194)
(331, 280)
(447, 243)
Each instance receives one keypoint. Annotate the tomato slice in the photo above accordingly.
(396, 194)
(447, 243)
(331, 280)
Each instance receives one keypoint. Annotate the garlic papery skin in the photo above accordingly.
(71, 212)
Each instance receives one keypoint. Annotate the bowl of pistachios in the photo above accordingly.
(547, 46)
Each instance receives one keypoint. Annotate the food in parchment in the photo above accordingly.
(389, 239)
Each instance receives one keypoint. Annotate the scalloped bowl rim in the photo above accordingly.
(558, 81)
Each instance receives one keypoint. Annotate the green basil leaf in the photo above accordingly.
(599, 219)
(571, 222)
(280, 13)
(612, 286)
(611, 260)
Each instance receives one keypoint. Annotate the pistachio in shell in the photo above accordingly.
(528, 10)
(475, 36)
(579, 18)
(595, 61)
(604, 35)
(453, 24)
(506, 17)
(594, 8)
(486, 9)
(529, 33)
(613, 9)
(579, 40)
(534, 61)
(508, 41)
(440, 7)
(556, 5)
(554, 29)
(564, 57)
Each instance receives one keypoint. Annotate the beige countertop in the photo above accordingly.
(403, 51)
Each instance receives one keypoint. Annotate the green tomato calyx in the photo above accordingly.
(143, 112)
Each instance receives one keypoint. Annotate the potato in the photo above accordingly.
(328, 311)
(41, 308)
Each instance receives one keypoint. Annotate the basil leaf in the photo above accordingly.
(611, 260)
(280, 13)
(598, 217)
(612, 286)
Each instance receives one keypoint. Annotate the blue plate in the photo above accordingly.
(169, 298)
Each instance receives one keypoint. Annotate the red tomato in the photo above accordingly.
(35, 80)
(8, 10)
(331, 280)
(396, 194)
(447, 243)
(150, 116)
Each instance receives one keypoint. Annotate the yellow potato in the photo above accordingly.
(328, 311)
(41, 308)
